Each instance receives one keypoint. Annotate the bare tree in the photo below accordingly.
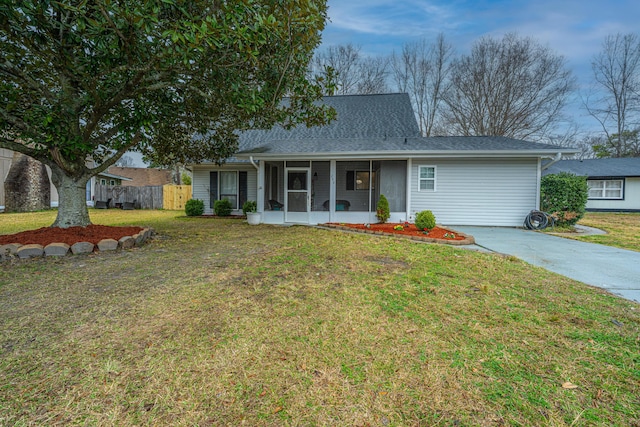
(342, 70)
(511, 87)
(372, 76)
(616, 71)
(125, 161)
(421, 70)
(343, 61)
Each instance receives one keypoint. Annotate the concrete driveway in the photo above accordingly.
(616, 270)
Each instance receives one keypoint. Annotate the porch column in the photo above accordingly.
(260, 190)
(408, 206)
(332, 190)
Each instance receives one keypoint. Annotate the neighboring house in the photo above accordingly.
(6, 157)
(140, 177)
(337, 172)
(614, 184)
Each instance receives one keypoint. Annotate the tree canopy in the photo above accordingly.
(171, 78)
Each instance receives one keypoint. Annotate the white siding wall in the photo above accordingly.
(631, 198)
(492, 192)
(200, 182)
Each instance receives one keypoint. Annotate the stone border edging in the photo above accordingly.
(16, 250)
(468, 240)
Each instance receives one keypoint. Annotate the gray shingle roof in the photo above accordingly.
(618, 167)
(409, 145)
(358, 116)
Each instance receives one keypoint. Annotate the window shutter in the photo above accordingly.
(242, 188)
(213, 188)
(351, 180)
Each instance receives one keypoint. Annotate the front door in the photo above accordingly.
(298, 197)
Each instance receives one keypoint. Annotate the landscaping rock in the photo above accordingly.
(107, 245)
(126, 242)
(30, 251)
(56, 249)
(9, 250)
(82, 248)
(139, 238)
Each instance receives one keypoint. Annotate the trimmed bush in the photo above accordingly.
(564, 197)
(194, 207)
(425, 220)
(222, 207)
(249, 206)
(382, 209)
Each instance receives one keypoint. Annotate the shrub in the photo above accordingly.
(249, 206)
(564, 197)
(425, 219)
(222, 207)
(382, 209)
(194, 207)
(185, 178)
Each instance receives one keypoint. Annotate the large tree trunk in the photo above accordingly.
(27, 186)
(72, 204)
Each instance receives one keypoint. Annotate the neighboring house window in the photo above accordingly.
(359, 180)
(103, 181)
(427, 178)
(605, 188)
(230, 185)
(112, 182)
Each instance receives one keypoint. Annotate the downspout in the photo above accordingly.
(253, 163)
(555, 159)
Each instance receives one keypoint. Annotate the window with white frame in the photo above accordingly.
(427, 178)
(606, 188)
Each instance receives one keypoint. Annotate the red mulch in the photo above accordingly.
(91, 233)
(408, 230)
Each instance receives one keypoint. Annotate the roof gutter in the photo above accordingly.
(555, 159)
(253, 163)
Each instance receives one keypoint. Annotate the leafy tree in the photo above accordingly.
(511, 87)
(87, 81)
(616, 71)
(627, 145)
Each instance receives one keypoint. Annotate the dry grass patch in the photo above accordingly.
(623, 229)
(220, 323)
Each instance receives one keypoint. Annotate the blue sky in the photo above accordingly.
(572, 28)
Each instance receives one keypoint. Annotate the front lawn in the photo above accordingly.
(623, 229)
(216, 322)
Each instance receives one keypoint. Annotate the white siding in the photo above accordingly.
(492, 192)
(200, 182)
(631, 198)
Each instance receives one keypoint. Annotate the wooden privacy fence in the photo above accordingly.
(175, 196)
(147, 197)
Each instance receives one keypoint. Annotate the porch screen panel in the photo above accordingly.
(352, 192)
(393, 183)
(320, 186)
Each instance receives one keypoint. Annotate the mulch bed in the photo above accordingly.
(410, 231)
(91, 233)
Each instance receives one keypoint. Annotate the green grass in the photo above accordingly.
(216, 322)
(623, 229)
